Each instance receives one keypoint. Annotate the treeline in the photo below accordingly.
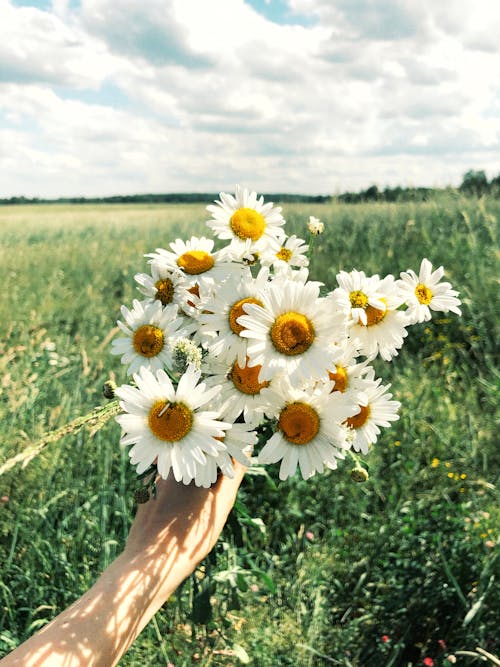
(168, 198)
(387, 195)
(474, 184)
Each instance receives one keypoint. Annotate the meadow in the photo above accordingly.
(402, 569)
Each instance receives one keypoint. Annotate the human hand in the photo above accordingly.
(168, 538)
(182, 522)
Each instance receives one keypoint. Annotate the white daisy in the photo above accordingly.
(149, 332)
(218, 322)
(376, 326)
(292, 331)
(241, 391)
(164, 284)
(292, 253)
(195, 259)
(360, 291)
(308, 432)
(165, 425)
(245, 217)
(375, 409)
(424, 293)
(346, 372)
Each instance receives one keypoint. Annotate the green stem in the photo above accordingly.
(312, 238)
(96, 419)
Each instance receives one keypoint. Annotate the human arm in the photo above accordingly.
(170, 535)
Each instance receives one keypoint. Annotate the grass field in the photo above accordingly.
(385, 573)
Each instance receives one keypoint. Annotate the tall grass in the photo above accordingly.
(306, 573)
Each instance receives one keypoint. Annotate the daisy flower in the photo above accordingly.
(385, 329)
(149, 332)
(165, 425)
(292, 331)
(361, 292)
(245, 218)
(346, 373)
(291, 254)
(195, 259)
(376, 326)
(308, 432)
(425, 292)
(241, 391)
(165, 285)
(375, 409)
(218, 322)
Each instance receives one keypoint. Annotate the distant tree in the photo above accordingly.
(393, 194)
(495, 186)
(371, 194)
(474, 183)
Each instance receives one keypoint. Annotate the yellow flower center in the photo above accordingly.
(299, 423)
(246, 379)
(246, 223)
(165, 290)
(236, 311)
(339, 378)
(195, 262)
(374, 315)
(423, 294)
(358, 299)
(148, 340)
(284, 254)
(292, 333)
(357, 421)
(170, 421)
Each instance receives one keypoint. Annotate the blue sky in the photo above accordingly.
(99, 97)
(277, 11)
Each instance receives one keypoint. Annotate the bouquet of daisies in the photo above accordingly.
(234, 349)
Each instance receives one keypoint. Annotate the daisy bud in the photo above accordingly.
(315, 226)
(141, 495)
(108, 389)
(359, 474)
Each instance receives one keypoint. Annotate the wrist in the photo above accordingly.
(156, 569)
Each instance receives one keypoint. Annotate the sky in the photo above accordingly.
(107, 97)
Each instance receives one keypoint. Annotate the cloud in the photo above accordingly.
(150, 32)
(105, 97)
(38, 46)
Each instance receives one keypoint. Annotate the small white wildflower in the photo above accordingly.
(185, 353)
(315, 226)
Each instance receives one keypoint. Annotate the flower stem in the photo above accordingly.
(95, 419)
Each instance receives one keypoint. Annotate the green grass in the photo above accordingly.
(407, 554)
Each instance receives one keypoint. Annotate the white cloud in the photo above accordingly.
(189, 95)
(38, 46)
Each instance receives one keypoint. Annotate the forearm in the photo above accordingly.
(168, 537)
(101, 625)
